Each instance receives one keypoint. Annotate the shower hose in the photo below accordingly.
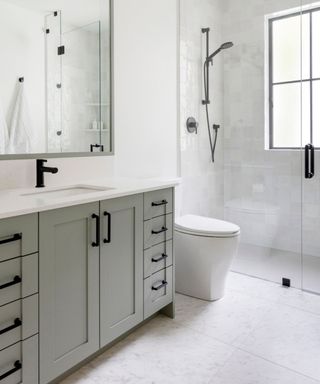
(213, 142)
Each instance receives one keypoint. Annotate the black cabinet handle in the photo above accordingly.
(16, 367)
(97, 219)
(107, 240)
(15, 237)
(163, 284)
(16, 280)
(162, 257)
(159, 203)
(163, 229)
(17, 322)
(309, 161)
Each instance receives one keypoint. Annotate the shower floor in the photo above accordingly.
(274, 264)
(260, 333)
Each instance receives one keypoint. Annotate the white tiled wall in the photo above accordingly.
(202, 182)
(260, 190)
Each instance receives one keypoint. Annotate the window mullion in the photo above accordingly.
(311, 82)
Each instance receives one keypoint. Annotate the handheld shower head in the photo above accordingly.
(223, 46)
(227, 45)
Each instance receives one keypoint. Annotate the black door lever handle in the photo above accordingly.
(309, 169)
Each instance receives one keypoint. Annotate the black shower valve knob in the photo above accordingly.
(192, 125)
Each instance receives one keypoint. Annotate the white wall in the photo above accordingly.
(146, 68)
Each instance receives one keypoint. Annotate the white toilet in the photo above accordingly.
(205, 248)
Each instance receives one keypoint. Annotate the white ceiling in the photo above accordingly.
(74, 12)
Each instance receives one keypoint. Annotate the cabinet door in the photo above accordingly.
(69, 288)
(121, 266)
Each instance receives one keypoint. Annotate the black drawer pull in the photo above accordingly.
(97, 219)
(16, 324)
(107, 240)
(163, 229)
(16, 280)
(162, 257)
(163, 284)
(17, 366)
(15, 237)
(159, 203)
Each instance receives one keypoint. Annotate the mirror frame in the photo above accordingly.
(56, 155)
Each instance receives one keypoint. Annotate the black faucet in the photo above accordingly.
(41, 170)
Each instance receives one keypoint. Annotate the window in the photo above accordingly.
(293, 100)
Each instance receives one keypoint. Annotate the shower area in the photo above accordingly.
(77, 96)
(265, 97)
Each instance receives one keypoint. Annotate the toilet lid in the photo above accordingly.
(206, 226)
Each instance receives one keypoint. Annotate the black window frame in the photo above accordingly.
(271, 84)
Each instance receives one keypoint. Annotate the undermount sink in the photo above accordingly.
(75, 190)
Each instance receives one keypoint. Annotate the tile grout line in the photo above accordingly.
(300, 309)
(277, 364)
(281, 295)
(239, 348)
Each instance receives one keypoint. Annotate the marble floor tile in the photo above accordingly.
(229, 320)
(160, 352)
(254, 287)
(260, 333)
(244, 368)
(275, 292)
(289, 337)
(302, 300)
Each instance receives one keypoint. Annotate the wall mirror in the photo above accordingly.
(56, 87)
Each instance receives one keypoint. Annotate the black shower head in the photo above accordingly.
(226, 45)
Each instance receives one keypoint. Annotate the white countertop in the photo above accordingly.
(14, 202)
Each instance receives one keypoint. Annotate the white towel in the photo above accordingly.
(4, 137)
(21, 129)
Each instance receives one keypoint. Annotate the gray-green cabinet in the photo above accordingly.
(19, 300)
(69, 286)
(72, 280)
(121, 266)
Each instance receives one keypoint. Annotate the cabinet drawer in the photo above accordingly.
(157, 258)
(18, 278)
(18, 236)
(18, 321)
(10, 280)
(19, 363)
(157, 291)
(157, 230)
(158, 203)
(10, 324)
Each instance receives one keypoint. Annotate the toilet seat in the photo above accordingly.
(206, 226)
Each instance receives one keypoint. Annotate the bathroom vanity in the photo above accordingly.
(80, 268)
